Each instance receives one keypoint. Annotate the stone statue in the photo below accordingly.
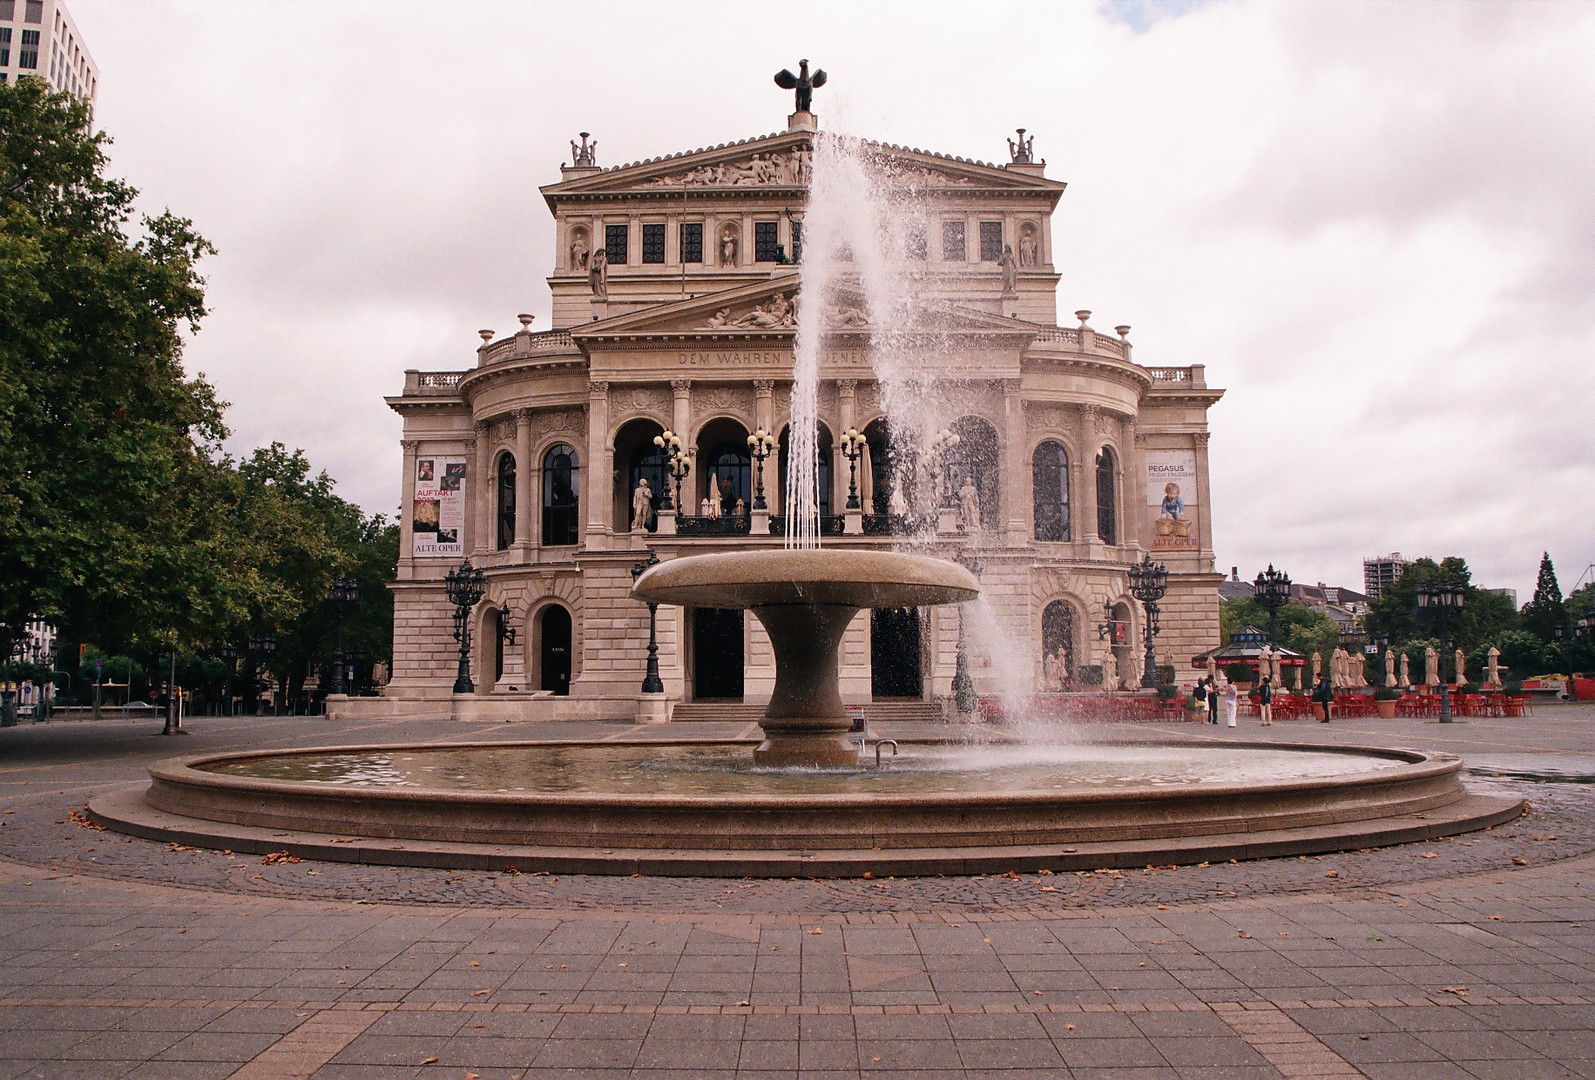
(1010, 269)
(585, 155)
(1027, 248)
(598, 274)
(1461, 662)
(642, 505)
(1494, 668)
(804, 83)
(1406, 674)
(1019, 153)
(897, 505)
(728, 248)
(776, 311)
(1431, 666)
(578, 253)
(969, 505)
(720, 319)
(1390, 668)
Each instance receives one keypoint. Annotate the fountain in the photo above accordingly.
(801, 801)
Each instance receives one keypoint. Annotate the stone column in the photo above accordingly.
(1089, 443)
(681, 407)
(597, 495)
(1204, 525)
(763, 403)
(1132, 483)
(407, 511)
(1015, 503)
(523, 477)
(480, 504)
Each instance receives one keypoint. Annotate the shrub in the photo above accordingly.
(1165, 675)
(1513, 688)
(1468, 688)
(1167, 692)
(1386, 693)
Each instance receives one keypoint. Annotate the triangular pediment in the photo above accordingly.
(771, 307)
(783, 161)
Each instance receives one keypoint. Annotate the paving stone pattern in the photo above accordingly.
(125, 958)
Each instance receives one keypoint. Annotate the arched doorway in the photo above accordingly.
(493, 630)
(1057, 646)
(637, 458)
(894, 653)
(717, 653)
(725, 469)
(878, 469)
(554, 649)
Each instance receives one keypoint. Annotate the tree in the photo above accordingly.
(1546, 613)
(109, 470)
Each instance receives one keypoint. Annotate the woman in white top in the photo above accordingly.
(1232, 700)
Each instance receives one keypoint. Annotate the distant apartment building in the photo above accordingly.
(38, 37)
(1381, 572)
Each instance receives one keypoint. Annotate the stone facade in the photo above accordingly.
(527, 460)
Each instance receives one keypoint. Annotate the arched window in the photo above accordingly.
(506, 500)
(560, 525)
(725, 468)
(1107, 496)
(1049, 477)
(822, 473)
(976, 457)
(1057, 645)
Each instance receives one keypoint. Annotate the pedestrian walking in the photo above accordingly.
(1325, 697)
(1232, 701)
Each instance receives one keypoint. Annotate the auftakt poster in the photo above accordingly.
(438, 507)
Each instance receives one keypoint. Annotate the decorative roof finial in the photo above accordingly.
(584, 156)
(1019, 153)
(804, 83)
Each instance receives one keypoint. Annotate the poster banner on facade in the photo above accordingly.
(1171, 493)
(438, 509)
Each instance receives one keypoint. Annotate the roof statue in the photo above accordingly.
(804, 83)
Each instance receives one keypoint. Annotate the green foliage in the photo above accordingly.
(1514, 688)
(1386, 693)
(1485, 615)
(1238, 673)
(1167, 692)
(1546, 612)
(1302, 628)
(1166, 675)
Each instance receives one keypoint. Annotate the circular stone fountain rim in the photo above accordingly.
(859, 577)
(185, 770)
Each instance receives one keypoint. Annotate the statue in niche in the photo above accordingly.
(1431, 666)
(728, 248)
(1027, 248)
(1390, 668)
(1493, 667)
(1010, 270)
(578, 251)
(803, 83)
(598, 274)
(969, 505)
(642, 505)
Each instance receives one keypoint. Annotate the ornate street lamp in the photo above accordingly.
(760, 444)
(677, 461)
(1272, 590)
(260, 645)
(853, 448)
(1148, 583)
(1440, 603)
(464, 586)
(343, 597)
(964, 698)
(651, 682)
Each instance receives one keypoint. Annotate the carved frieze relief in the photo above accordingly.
(789, 168)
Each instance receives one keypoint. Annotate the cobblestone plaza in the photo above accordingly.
(1466, 957)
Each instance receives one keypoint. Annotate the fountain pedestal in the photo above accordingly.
(805, 600)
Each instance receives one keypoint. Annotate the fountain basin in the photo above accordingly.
(806, 599)
(1378, 796)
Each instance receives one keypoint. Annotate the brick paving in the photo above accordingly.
(1467, 957)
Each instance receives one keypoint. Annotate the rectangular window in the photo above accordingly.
(615, 244)
(5, 46)
(27, 58)
(8, 9)
(35, 11)
(990, 241)
(653, 243)
(915, 243)
(764, 244)
(952, 242)
(692, 241)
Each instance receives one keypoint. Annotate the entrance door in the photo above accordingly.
(556, 650)
(717, 653)
(894, 653)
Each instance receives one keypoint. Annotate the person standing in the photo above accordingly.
(1265, 703)
(1232, 700)
(1325, 697)
(1212, 701)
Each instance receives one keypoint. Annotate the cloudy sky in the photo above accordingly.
(1372, 222)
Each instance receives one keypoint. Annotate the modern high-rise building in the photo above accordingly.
(1381, 572)
(38, 37)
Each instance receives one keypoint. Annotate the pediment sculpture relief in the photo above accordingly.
(775, 313)
(791, 168)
